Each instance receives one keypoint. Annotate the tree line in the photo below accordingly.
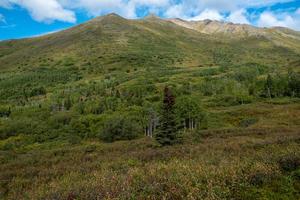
(110, 112)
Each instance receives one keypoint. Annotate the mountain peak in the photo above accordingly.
(208, 26)
(109, 18)
(112, 15)
(207, 21)
(152, 16)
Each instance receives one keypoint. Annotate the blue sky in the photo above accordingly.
(29, 18)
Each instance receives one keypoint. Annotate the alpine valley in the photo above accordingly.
(151, 108)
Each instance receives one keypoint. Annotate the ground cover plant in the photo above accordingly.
(147, 109)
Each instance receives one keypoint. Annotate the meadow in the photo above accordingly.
(80, 109)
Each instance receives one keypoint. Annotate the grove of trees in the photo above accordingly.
(115, 108)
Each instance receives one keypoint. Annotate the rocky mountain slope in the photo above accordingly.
(230, 29)
(278, 35)
(218, 27)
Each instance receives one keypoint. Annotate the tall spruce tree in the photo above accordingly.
(167, 133)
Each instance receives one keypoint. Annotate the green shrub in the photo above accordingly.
(119, 127)
(37, 91)
(232, 100)
(289, 163)
(247, 122)
(260, 178)
(60, 119)
(73, 139)
(5, 111)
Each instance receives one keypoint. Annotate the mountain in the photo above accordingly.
(233, 30)
(109, 38)
(111, 44)
(80, 110)
(217, 27)
(279, 35)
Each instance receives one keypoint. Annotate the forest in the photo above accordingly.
(108, 111)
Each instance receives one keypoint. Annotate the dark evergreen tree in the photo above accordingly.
(167, 133)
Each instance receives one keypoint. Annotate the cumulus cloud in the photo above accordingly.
(43, 11)
(208, 14)
(236, 11)
(151, 3)
(195, 7)
(96, 7)
(175, 11)
(125, 8)
(270, 19)
(239, 16)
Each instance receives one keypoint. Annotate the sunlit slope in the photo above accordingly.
(114, 42)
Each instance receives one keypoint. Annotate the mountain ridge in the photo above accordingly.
(139, 38)
(206, 26)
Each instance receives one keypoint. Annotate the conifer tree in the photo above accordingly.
(167, 133)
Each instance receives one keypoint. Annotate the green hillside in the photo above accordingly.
(79, 109)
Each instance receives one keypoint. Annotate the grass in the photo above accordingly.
(260, 161)
(232, 164)
(58, 91)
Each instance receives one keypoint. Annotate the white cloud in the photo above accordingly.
(175, 11)
(150, 3)
(214, 9)
(235, 11)
(208, 14)
(228, 10)
(96, 7)
(239, 17)
(43, 11)
(125, 8)
(269, 19)
(195, 7)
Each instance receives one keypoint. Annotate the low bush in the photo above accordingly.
(119, 127)
(244, 123)
(289, 163)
